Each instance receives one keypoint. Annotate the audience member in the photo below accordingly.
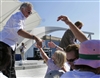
(68, 37)
(22, 51)
(56, 62)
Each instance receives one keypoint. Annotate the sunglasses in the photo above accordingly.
(80, 27)
(70, 60)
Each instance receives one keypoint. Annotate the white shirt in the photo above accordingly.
(23, 48)
(67, 66)
(9, 33)
(78, 74)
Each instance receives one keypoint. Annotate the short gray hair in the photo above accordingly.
(25, 4)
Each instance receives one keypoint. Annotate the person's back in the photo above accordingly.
(96, 76)
(22, 51)
(68, 37)
(78, 74)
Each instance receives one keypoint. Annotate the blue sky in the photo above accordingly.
(86, 11)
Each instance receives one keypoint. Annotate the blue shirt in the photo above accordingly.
(9, 33)
(78, 74)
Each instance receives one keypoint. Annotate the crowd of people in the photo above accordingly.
(88, 63)
(84, 59)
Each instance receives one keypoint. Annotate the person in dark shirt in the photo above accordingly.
(68, 37)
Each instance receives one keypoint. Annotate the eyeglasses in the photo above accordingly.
(70, 60)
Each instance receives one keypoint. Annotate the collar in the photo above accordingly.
(22, 15)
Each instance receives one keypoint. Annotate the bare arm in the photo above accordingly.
(78, 34)
(29, 36)
(44, 55)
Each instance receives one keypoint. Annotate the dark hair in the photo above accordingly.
(23, 44)
(77, 23)
(98, 70)
(85, 68)
(73, 47)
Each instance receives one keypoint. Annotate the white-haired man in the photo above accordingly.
(9, 37)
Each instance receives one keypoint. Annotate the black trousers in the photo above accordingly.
(8, 60)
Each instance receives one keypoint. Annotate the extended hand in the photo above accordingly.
(39, 42)
(51, 44)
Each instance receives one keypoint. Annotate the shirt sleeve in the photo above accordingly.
(48, 62)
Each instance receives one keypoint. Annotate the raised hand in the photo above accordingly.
(77, 33)
(64, 18)
(51, 44)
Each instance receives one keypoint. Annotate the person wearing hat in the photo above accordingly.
(88, 63)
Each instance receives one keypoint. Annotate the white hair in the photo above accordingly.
(25, 4)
